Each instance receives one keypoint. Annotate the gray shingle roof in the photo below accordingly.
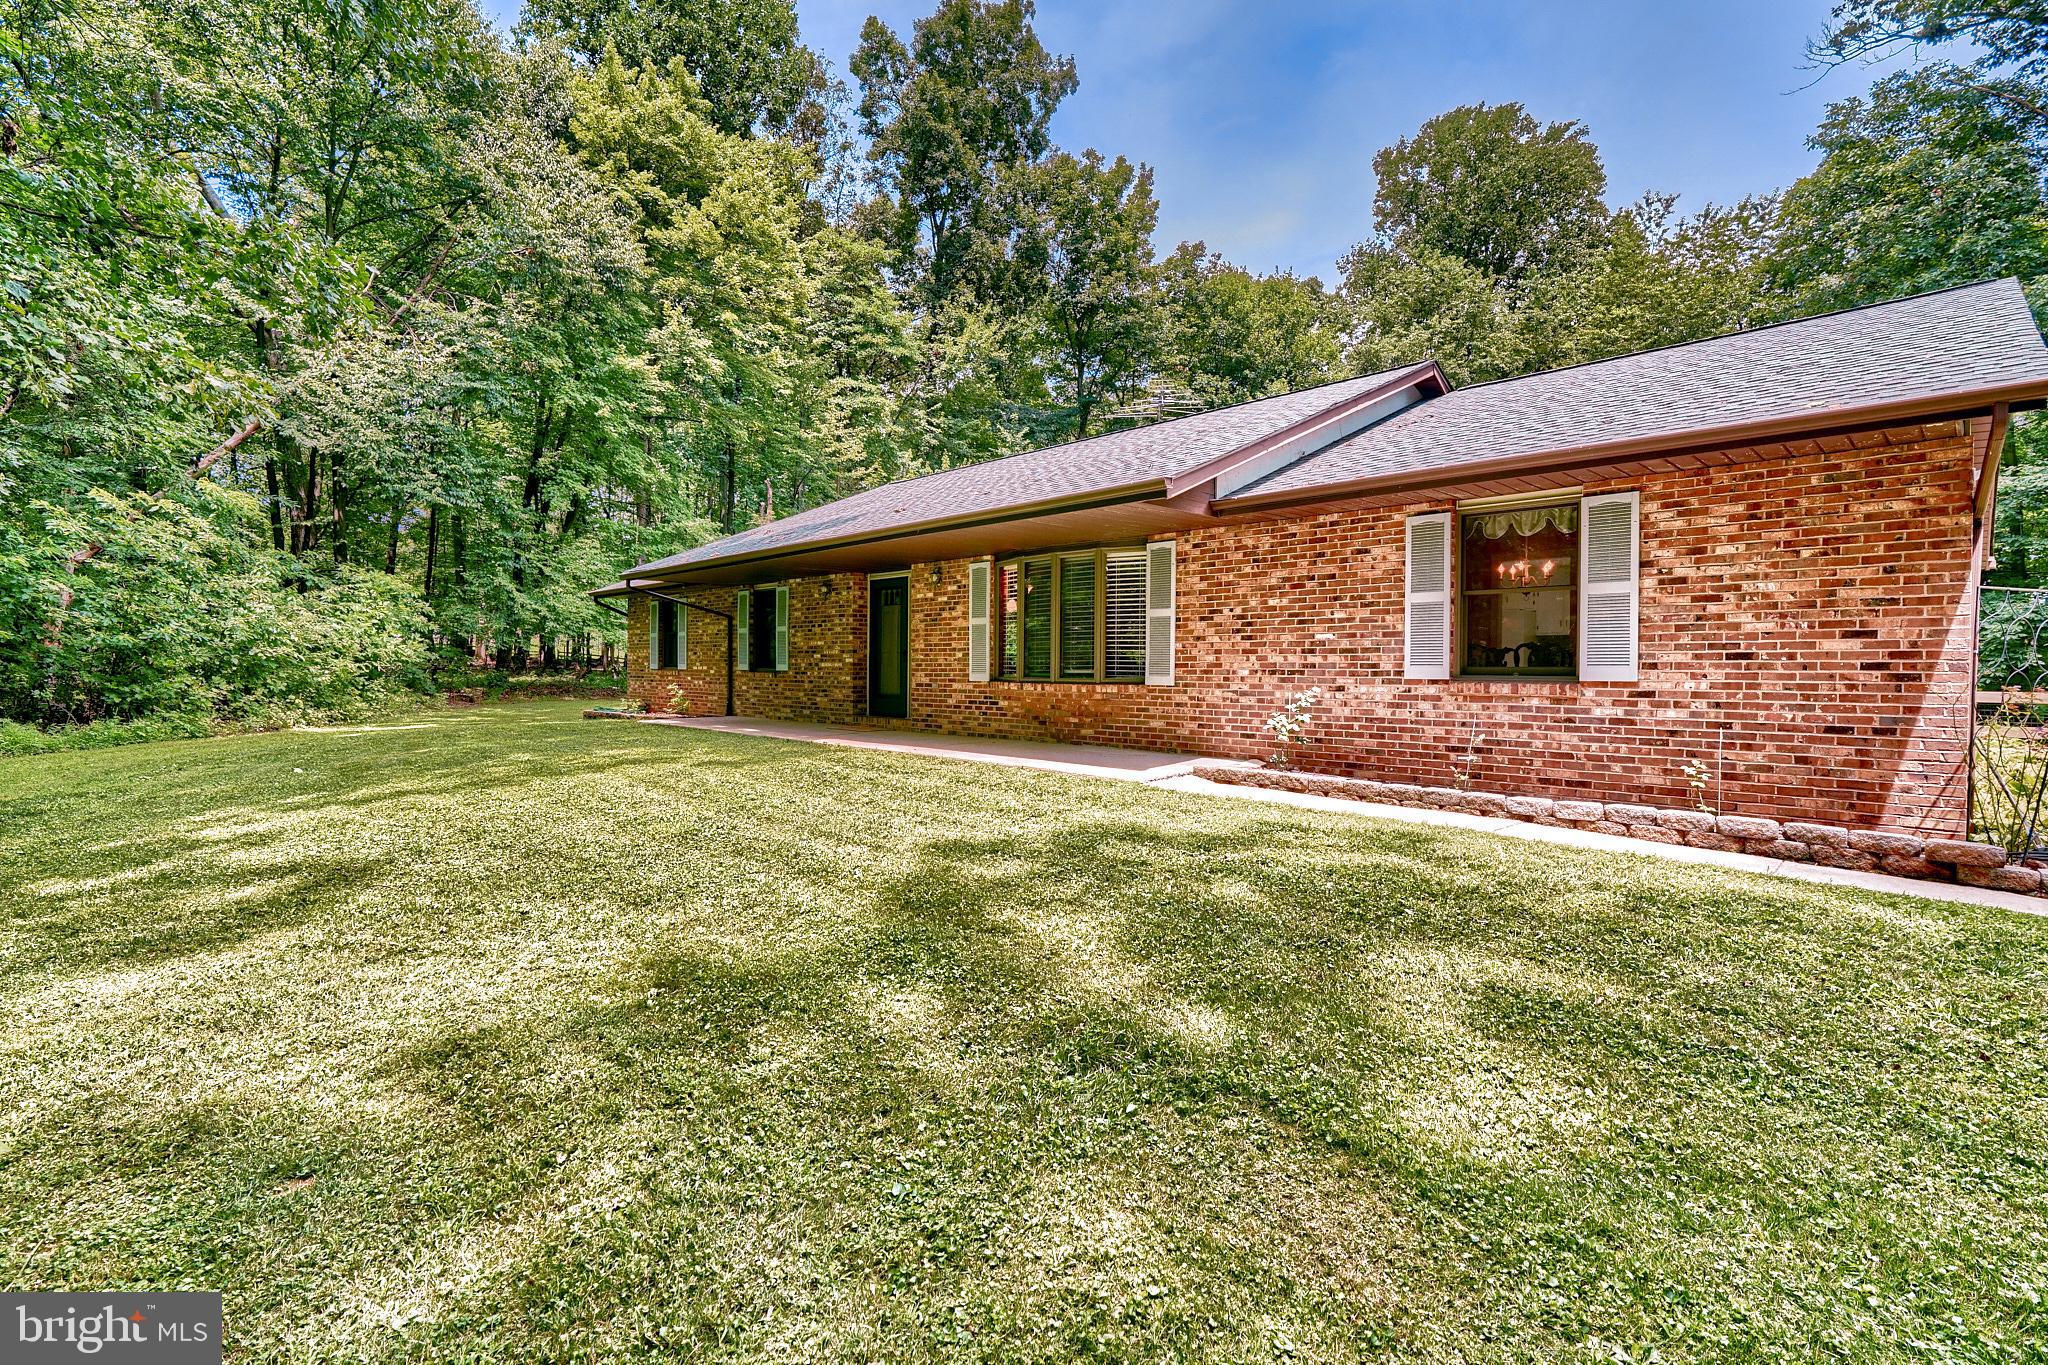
(1957, 341)
(1116, 459)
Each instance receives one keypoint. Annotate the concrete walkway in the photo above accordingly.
(1174, 772)
(1615, 843)
(1085, 760)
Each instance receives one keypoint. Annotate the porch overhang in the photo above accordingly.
(1126, 515)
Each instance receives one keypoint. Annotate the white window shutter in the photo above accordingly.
(653, 632)
(1610, 542)
(742, 628)
(977, 621)
(1159, 613)
(682, 636)
(782, 629)
(1428, 630)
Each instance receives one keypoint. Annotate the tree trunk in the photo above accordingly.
(275, 504)
(337, 498)
(308, 508)
(727, 492)
(1082, 403)
(433, 544)
(643, 505)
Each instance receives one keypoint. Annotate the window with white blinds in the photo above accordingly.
(1123, 616)
(1077, 616)
(1080, 623)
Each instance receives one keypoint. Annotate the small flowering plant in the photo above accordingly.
(1289, 725)
(1697, 777)
(1462, 766)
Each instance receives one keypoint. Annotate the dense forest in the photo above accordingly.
(344, 342)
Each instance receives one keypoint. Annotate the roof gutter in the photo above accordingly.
(1973, 402)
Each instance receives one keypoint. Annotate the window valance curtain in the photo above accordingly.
(1523, 521)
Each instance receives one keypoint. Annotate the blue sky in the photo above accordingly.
(1261, 119)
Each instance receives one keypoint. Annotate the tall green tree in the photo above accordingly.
(1421, 304)
(1939, 176)
(773, 332)
(1496, 255)
(342, 171)
(1085, 246)
(1228, 335)
(1490, 186)
(1655, 279)
(1931, 180)
(862, 337)
(967, 100)
(2011, 35)
(747, 57)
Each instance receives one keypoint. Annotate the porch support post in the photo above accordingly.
(688, 605)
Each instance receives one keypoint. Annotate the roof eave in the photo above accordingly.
(1217, 467)
(1427, 372)
(1956, 404)
(1073, 502)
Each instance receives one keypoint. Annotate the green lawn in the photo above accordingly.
(507, 1034)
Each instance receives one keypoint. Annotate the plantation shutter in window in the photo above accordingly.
(1159, 612)
(1034, 615)
(782, 629)
(1609, 544)
(1123, 616)
(742, 628)
(977, 621)
(1429, 596)
(654, 632)
(1078, 620)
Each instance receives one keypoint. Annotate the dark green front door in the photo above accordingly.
(889, 646)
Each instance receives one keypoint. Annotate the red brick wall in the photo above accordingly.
(827, 676)
(1806, 633)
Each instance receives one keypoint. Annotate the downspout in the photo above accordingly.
(1983, 534)
(688, 605)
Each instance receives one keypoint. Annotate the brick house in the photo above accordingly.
(1753, 558)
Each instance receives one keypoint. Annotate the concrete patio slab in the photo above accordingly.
(1085, 760)
(1174, 772)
